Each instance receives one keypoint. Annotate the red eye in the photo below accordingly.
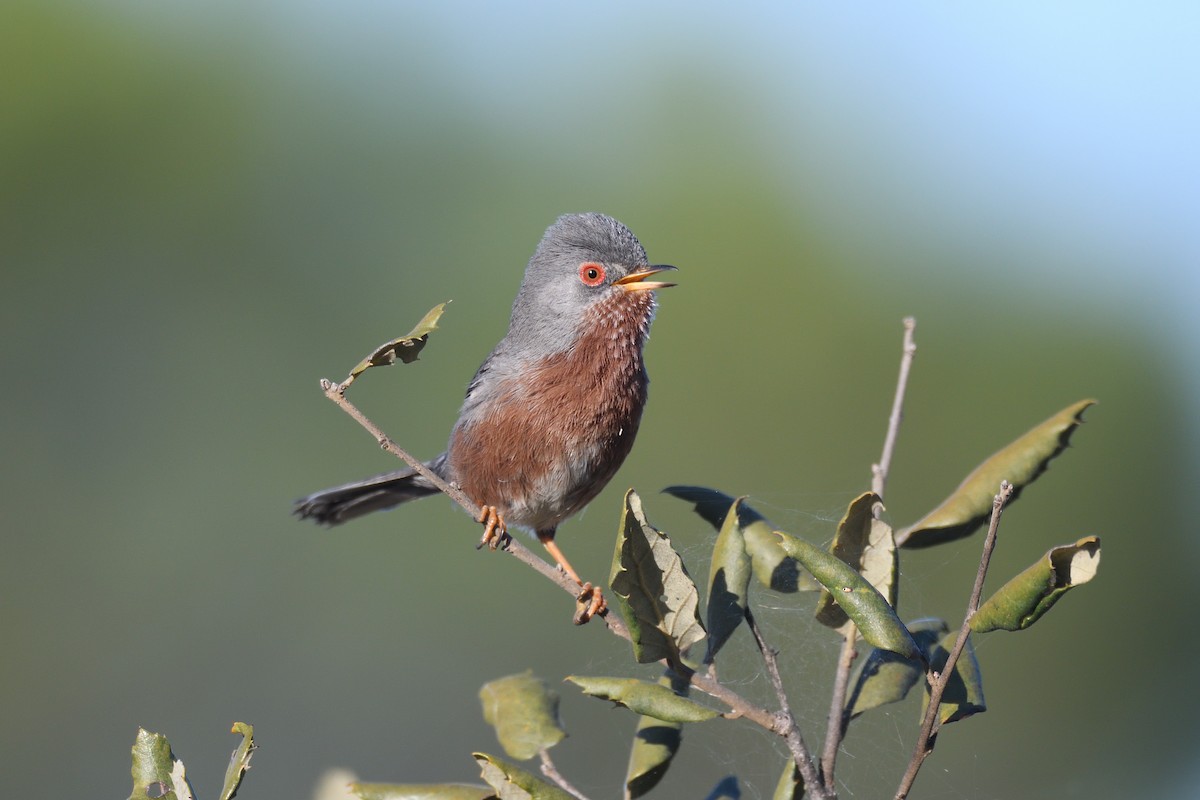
(591, 273)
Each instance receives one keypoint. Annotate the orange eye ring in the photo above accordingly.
(591, 273)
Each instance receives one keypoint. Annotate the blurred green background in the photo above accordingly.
(206, 207)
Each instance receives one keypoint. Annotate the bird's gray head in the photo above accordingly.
(583, 260)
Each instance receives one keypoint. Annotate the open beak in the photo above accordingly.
(636, 281)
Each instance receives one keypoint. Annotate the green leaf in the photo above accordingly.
(418, 791)
(239, 761)
(645, 698)
(791, 783)
(865, 606)
(865, 544)
(524, 713)
(653, 589)
(406, 348)
(883, 677)
(964, 693)
(970, 505)
(157, 774)
(770, 564)
(655, 743)
(1023, 600)
(728, 583)
(510, 782)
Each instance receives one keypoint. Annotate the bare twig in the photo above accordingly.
(551, 772)
(927, 738)
(838, 720)
(880, 470)
(785, 719)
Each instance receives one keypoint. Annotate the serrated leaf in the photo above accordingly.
(524, 713)
(1024, 599)
(157, 774)
(865, 606)
(652, 587)
(406, 348)
(1020, 463)
(417, 791)
(510, 782)
(883, 677)
(964, 693)
(728, 583)
(239, 760)
(773, 567)
(865, 544)
(645, 698)
(655, 743)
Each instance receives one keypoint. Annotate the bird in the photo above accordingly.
(554, 409)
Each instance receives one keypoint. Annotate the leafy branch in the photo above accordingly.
(857, 580)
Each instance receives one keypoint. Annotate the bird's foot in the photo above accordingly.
(495, 532)
(588, 603)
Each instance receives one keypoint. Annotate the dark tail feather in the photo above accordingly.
(343, 503)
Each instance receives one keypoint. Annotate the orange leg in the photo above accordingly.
(590, 601)
(495, 532)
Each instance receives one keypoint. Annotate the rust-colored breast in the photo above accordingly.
(554, 436)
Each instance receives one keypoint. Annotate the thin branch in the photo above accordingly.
(786, 719)
(930, 725)
(880, 470)
(551, 772)
(835, 728)
(838, 720)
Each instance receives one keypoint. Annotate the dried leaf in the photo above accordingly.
(1024, 599)
(728, 583)
(865, 606)
(865, 544)
(524, 713)
(406, 348)
(510, 782)
(970, 505)
(653, 589)
(645, 698)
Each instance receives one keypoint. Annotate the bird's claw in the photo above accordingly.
(588, 603)
(495, 532)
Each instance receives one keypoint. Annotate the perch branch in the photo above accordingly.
(336, 393)
(927, 738)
